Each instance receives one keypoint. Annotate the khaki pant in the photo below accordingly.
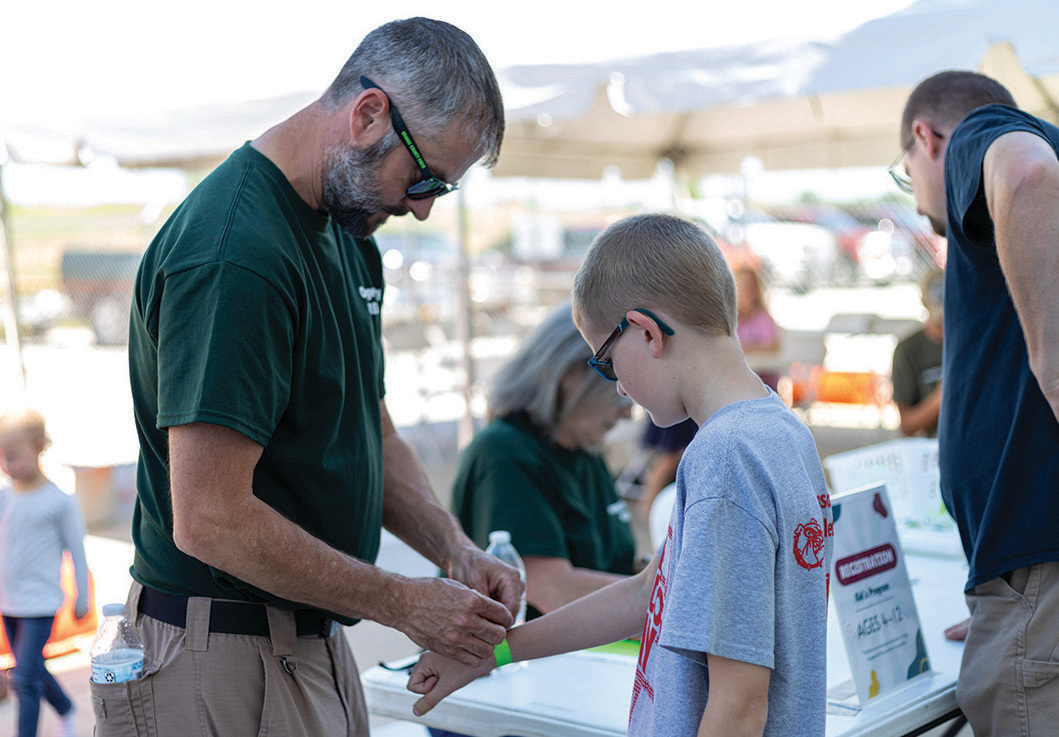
(218, 685)
(1009, 679)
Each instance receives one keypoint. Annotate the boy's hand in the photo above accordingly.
(436, 676)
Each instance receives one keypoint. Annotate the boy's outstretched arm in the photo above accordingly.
(738, 702)
(604, 616)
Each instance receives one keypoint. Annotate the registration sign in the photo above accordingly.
(873, 596)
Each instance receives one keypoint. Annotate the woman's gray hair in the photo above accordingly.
(531, 380)
(436, 76)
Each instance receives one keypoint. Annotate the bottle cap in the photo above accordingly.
(499, 537)
(113, 610)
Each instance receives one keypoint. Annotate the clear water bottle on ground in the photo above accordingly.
(500, 547)
(117, 651)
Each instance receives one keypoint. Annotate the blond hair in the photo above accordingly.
(25, 420)
(655, 261)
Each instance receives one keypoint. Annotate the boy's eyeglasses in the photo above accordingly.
(430, 185)
(602, 365)
(899, 175)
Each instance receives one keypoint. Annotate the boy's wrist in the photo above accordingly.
(502, 653)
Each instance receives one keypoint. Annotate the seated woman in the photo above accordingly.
(536, 470)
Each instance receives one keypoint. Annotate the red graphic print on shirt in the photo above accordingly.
(809, 545)
(652, 626)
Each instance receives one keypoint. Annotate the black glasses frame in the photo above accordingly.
(603, 366)
(430, 185)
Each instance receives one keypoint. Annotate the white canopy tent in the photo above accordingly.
(791, 105)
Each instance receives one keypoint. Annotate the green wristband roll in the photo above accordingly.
(502, 653)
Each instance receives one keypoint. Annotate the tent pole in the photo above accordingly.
(7, 267)
(464, 328)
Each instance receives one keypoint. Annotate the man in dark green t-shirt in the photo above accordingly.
(269, 463)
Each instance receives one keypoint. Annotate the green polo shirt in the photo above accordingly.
(555, 502)
(258, 313)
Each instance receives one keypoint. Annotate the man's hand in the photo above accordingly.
(483, 572)
(958, 631)
(447, 617)
(436, 677)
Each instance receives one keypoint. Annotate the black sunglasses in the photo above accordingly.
(603, 366)
(430, 185)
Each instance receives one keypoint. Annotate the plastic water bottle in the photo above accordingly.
(117, 651)
(500, 546)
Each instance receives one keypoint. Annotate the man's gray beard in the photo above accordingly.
(351, 186)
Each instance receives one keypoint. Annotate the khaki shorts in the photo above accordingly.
(198, 683)
(1009, 679)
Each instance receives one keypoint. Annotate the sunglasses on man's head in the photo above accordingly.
(430, 185)
(602, 365)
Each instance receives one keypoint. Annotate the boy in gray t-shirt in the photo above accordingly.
(740, 574)
(736, 600)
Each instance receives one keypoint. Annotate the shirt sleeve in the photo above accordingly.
(722, 592)
(225, 338)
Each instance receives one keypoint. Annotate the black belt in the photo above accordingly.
(231, 617)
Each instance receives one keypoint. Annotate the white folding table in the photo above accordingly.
(587, 694)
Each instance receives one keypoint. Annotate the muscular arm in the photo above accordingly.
(738, 701)
(552, 582)
(218, 520)
(1021, 182)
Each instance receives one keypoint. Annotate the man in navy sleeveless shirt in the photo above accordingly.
(986, 174)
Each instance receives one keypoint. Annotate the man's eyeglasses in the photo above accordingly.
(430, 185)
(603, 365)
(898, 174)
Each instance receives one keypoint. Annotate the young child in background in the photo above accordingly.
(734, 640)
(37, 523)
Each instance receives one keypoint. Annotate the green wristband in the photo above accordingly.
(502, 653)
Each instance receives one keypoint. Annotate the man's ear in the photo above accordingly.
(649, 331)
(369, 118)
(923, 132)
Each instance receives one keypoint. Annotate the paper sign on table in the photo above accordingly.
(908, 467)
(873, 596)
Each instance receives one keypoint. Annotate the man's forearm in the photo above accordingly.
(218, 520)
(261, 547)
(412, 512)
